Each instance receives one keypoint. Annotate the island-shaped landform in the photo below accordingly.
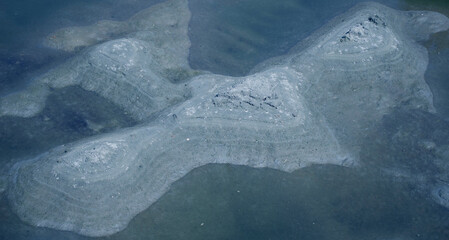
(313, 105)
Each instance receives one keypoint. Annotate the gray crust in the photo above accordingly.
(312, 106)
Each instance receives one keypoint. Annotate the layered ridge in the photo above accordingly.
(313, 106)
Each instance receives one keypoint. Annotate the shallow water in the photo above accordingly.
(26, 23)
(233, 202)
(320, 202)
(242, 34)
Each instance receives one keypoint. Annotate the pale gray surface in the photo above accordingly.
(136, 73)
(311, 106)
(100, 184)
(133, 72)
(363, 66)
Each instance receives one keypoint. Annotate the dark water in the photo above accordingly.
(234, 202)
(437, 74)
(65, 118)
(241, 34)
(320, 202)
(25, 23)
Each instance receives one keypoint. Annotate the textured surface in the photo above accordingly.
(133, 76)
(242, 33)
(252, 121)
(311, 106)
(413, 146)
(363, 66)
(132, 72)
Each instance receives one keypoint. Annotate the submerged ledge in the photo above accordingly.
(311, 106)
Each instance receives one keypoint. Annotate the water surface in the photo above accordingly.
(234, 202)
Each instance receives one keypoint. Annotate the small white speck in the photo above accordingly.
(188, 139)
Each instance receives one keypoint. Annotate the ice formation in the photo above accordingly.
(312, 106)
